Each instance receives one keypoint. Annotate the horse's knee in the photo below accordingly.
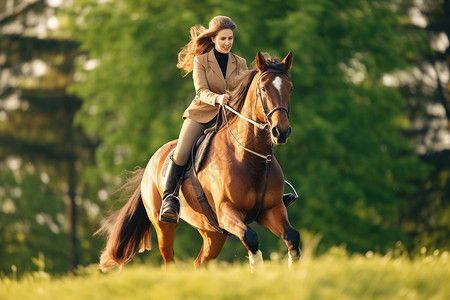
(250, 240)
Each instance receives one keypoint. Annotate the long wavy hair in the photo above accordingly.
(201, 41)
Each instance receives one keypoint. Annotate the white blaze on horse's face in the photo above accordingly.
(279, 109)
(277, 84)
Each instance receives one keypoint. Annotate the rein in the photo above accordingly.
(267, 157)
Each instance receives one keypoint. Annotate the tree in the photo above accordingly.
(426, 219)
(40, 148)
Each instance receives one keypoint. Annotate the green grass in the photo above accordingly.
(335, 275)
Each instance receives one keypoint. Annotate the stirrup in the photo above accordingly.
(170, 216)
(289, 198)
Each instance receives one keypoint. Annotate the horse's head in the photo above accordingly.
(273, 90)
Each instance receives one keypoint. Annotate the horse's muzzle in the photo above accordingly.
(280, 135)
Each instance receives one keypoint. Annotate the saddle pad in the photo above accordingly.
(198, 153)
(200, 149)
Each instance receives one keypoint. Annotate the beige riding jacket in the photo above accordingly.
(209, 84)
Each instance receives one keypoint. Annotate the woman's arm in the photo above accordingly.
(201, 84)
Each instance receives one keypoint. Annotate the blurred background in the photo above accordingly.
(89, 89)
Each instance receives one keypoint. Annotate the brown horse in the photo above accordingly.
(240, 178)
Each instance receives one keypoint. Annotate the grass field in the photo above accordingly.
(335, 275)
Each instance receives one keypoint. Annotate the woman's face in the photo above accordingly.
(223, 40)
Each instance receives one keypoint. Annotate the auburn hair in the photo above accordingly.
(201, 41)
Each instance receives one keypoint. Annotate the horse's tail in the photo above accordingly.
(128, 230)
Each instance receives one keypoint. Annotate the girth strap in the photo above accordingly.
(203, 201)
(253, 217)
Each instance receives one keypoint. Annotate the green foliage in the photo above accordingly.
(334, 275)
(32, 224)
(135, 98)
(352, 164)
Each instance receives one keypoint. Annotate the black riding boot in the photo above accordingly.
(170, 208)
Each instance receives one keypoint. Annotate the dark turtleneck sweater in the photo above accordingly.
(222, 59)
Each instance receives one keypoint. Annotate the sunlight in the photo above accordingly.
(91, 64)
(52, 23)
(440, 43)
(54, 3)
(417, 17)
(355, 71)
(39, 67)
(11, 103)
(14, 163)
(45, 178)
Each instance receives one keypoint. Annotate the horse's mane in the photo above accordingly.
(240, 93)
(242, 90)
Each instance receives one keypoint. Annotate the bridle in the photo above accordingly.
(263, 126)
(258, 93)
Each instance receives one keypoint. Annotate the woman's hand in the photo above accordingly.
(223, 99)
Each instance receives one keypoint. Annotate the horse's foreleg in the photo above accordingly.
(212, 244)
(276, 220)
(232, 221)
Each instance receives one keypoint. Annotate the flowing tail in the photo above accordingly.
(128, 230)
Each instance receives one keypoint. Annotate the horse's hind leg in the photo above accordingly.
(212, 244)
(166, 238)
(164, 230)
(276, 220)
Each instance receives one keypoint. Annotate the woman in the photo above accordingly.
(215, 72)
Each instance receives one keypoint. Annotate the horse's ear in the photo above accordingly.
(287, 61)
(260, 62)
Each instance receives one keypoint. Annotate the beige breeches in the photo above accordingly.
(190, 131)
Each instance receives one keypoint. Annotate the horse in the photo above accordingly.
(241, 179)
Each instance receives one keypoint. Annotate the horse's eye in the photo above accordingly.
(263, 89)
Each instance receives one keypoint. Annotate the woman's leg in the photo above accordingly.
(170, 208)
(189, 133)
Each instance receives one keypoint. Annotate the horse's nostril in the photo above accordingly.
(288, 134)
(275, 132)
